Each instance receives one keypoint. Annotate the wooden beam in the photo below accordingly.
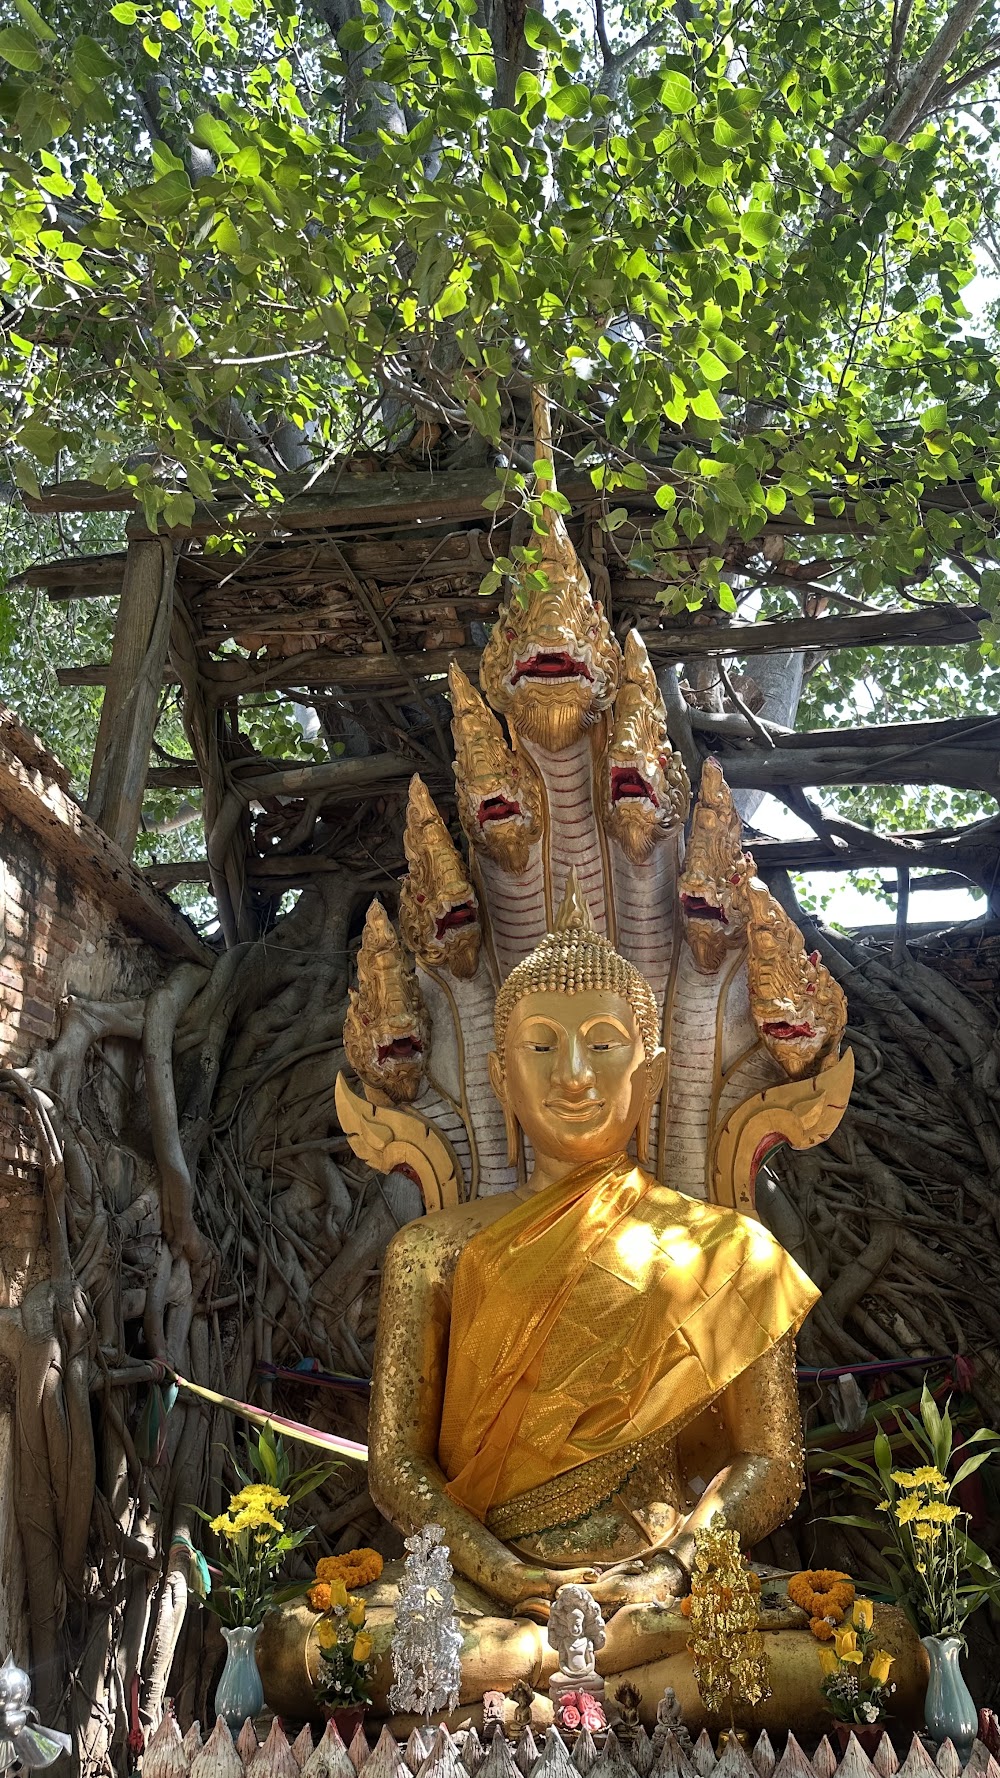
(282, 868)
(77, 577)
(393, 497)
(235, 677)
(925, 626)
(131, 699)
(33, 794)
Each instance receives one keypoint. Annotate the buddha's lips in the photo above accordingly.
(457, 917)
(401, 1049)
(550, 666)
(697, 908)
(781, 1028)
(626, 782)
(497, 808)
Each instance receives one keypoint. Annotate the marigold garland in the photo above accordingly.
(355, 1568)
(824, 1594)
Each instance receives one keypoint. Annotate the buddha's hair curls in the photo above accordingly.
(571, 959)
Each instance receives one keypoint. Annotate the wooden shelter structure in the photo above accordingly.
(353, 591)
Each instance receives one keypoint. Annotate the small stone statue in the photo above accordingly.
(522, 1697)
(576, 1632)
(668, 1722)
(22, 1737)
(628, 1698)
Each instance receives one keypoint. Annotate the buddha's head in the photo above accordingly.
(646, 789)
(712, 884)
(578, 1064)
(438, 910)
(499, 801)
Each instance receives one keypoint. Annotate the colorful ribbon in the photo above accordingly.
(306, 1435)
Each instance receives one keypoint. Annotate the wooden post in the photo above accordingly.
(132, 698)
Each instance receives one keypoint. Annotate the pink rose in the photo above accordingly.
(592, 1713)
(569, 1716)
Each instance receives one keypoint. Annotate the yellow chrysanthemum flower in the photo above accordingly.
(926, 1477)
(905, 1510)
(935, 1512)
(927, 1534)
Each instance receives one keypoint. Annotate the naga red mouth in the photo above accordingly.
(550, 666)
(401, 1049)
(497, 808)
(627, 782)
(456, 919)
(697, 908)
(781, 1028)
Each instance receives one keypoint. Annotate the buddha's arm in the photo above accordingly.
(760, 1486)
(406, 1481)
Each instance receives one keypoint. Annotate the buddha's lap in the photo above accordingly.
(646, 1644)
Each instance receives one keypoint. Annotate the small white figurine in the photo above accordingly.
(576, 1632)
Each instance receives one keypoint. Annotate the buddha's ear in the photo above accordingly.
(510, 1123)
(655, 1070)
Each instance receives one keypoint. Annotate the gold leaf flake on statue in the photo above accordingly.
(799, 1010)
(499, 800)
(387, 1030)
(551, 665)
(438, 910)
(712, 884)
(646, 791)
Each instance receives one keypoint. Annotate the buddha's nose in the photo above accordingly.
(573, 1072)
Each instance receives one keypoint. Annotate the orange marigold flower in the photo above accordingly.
(319, 1596)
(821, 1628)
(355, 1568)
(822, 1592)
(686, 1605)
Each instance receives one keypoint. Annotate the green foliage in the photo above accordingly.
(938, 1574)
(763, 299)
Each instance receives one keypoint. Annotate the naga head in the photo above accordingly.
(551, 665)
(799, 1010)
(646, 789)
(712, 884)
(438, 910)
(387, 1030)
(499, 801)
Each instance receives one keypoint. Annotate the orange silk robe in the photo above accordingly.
(602, 1311)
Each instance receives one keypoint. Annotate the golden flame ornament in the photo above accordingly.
(646, 791)
(438, 910)
(387, 1030)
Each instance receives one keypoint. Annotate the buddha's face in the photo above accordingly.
(575, 1074)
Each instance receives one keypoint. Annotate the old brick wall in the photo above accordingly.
(75, 918)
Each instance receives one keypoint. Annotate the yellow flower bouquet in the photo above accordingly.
(254, 1538)
(345, 1648)
(939, 1576)
(855, 1672)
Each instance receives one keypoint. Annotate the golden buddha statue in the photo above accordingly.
(585, 1348)
(555, 1363)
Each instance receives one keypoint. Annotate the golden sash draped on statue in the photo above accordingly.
(602, 1312)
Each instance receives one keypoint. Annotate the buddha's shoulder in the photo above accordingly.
(666, 1207)
(441, 1235)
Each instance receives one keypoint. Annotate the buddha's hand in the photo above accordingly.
(531, 1591)
(660, 1578)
